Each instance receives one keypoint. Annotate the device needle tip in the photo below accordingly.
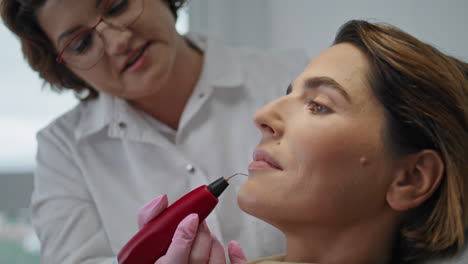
(228, 178)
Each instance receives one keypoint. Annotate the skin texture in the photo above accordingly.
(335, 170)
(171, 68)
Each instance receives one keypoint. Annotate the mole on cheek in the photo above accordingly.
(364, 161)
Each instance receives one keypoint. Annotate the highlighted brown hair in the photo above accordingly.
(425, 96)
(20, 17)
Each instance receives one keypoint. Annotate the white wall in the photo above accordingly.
(312, 24)
(235, 22)
(24, 106)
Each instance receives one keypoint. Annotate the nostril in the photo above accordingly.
(267, 128)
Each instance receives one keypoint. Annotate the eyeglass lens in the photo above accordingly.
(87, 47)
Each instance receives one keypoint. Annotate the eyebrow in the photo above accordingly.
(316, 82)
(73, 30)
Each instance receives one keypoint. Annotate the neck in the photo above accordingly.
(168, 104)
(362, 243)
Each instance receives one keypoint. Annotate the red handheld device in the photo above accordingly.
(153, 240)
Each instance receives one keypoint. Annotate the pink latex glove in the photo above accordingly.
(192, 242)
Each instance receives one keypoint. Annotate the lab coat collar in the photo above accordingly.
(221, 69)
(95, 114)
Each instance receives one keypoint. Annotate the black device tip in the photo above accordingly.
(217, 187)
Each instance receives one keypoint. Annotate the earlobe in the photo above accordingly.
(417, 179)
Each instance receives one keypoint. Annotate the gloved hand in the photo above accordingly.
(192, 243)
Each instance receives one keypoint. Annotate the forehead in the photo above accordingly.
(57, 16)
(70, 7)
(344, 63)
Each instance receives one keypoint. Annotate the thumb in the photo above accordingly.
(151, 210)
(184, 236)
(236, 254)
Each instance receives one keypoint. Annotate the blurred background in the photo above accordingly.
(26, 105)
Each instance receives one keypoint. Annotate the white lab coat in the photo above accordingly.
(100, 162)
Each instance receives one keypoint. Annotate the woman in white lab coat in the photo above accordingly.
(159, 113)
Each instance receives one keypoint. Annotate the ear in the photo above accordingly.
(416, 180)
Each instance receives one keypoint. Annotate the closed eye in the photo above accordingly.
(81, 44)
(116, 8)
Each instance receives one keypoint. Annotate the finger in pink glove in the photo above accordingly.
(179, 250)
(151, 210)
(202, 246)
(236, 254)
(217, 255)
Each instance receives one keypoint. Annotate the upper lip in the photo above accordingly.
(132, 55)
(262, 155)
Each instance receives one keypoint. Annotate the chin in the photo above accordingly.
(254, 202)
(246, 199)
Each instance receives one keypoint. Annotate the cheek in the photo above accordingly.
(267, 196)
(101, 78)
(337, 172)
(156, 20)
(313, 149)
(337, 145)
(255, 198)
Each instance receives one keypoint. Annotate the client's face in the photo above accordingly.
(322, 158)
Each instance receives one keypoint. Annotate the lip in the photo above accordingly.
(263, 160)
(139, 62)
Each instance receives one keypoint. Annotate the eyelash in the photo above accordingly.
(323, 109)
(116, 9)
(82, 44)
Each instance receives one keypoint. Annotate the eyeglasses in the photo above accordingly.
(85, 49)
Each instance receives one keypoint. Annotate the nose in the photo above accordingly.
(116, 39)
(270, 118)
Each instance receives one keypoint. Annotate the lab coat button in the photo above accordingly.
(122, 125)
(190, 168)
(201, 95)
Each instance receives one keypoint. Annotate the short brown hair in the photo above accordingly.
(425, 96)
(20, 17)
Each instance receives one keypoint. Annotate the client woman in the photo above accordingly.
(365, 159)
